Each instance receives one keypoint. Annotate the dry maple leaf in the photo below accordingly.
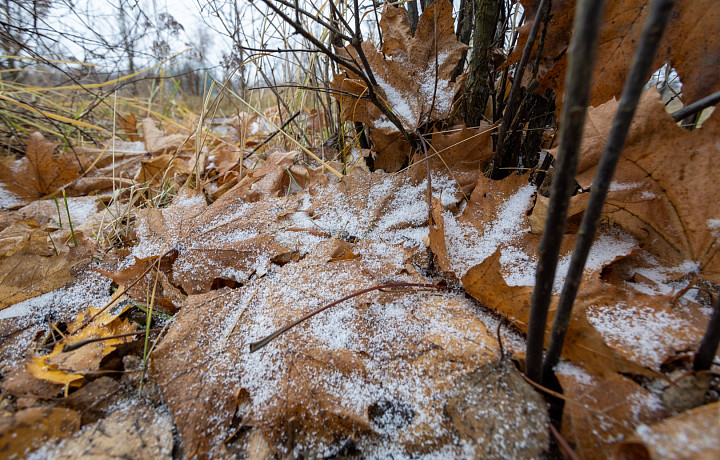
(601, 411)
(39, 172)
(686, 45)
(408, 81)
(665, 188)
(492, 250)
(335, 375)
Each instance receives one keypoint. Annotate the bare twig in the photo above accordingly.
(275, 133)
(82, 343)
(563, 443)
(255, 346)
(696, 106)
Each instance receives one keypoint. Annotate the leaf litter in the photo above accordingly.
(413, 374)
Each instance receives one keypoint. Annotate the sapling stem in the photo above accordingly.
(588, 17)
(639, 74)
(515, 89)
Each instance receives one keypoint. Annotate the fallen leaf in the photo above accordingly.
(131, 431)
(460, 153)
(694, 434)
(159, 169)
(127, 125)
(158, 143)
(496, 399)
(664, 188)
(685, 45)
(600, 411)
(68, 368)
(31, 428)
(40, 173)
(296, 387)
(408, 81)
(26, 274)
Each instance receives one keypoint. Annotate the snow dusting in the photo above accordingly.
(468, 247)
(399, 105)
(646, 333)
(29, 317)
(8, 199)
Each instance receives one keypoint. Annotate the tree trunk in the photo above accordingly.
(464, 31)
(413, 15)
(479, 84)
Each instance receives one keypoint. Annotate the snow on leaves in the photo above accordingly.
(409, 82)
(664, 192)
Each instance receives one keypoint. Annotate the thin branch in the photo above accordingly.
(515, 89)
(82, 343)
(696, 106)
(269, 138)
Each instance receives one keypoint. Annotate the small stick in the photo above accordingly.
(708, 346)
(255, 346)
(82, 343)
(275, 133)
(696, 106)
(563, 443)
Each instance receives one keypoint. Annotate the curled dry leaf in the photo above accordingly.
(686, 45)
(68, 368)
(694, 434)
(157, 143)
(157, 170)
(40, 172)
